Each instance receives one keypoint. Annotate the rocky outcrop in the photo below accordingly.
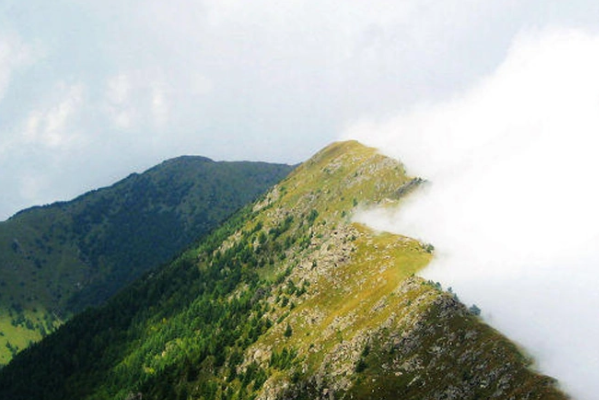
(432, 349)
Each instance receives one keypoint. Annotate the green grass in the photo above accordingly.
(335, 183)
(19, 330)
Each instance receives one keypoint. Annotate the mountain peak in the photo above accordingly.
(290, 299)
(184, 160)
(61, 258)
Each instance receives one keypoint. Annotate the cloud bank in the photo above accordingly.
(513, 204)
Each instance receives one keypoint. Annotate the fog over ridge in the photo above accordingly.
(512, 204)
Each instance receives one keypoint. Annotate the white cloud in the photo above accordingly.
(160, 108)
(53, 126)
(137, 99)
(14, 54)
(118, 93)
(512, 204)
(118, 89)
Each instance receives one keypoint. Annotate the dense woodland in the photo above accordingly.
(176, 331)
(59, 259)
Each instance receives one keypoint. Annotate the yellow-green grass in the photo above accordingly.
(336, 182)
(351, 293)
(19, 336)
(343, 175)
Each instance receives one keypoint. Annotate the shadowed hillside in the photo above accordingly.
(58, 259)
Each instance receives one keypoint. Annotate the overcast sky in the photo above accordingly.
(93, 90)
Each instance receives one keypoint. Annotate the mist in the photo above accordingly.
(512, 203)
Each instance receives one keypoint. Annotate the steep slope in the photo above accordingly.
(61, 258)
(288, 299)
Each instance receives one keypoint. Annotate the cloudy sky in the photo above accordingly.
(93, 90)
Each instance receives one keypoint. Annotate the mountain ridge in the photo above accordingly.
(289, 299)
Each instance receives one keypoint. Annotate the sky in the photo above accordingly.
(91, 91)
(494, 102)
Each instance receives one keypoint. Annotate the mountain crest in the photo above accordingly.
(289, 299)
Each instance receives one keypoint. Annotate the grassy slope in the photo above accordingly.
(363, 296)
(287, 300)
(59, 259)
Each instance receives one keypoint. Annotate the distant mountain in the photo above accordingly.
(286, 300)
(59, 259)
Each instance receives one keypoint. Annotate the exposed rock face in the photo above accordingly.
(431, 349)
